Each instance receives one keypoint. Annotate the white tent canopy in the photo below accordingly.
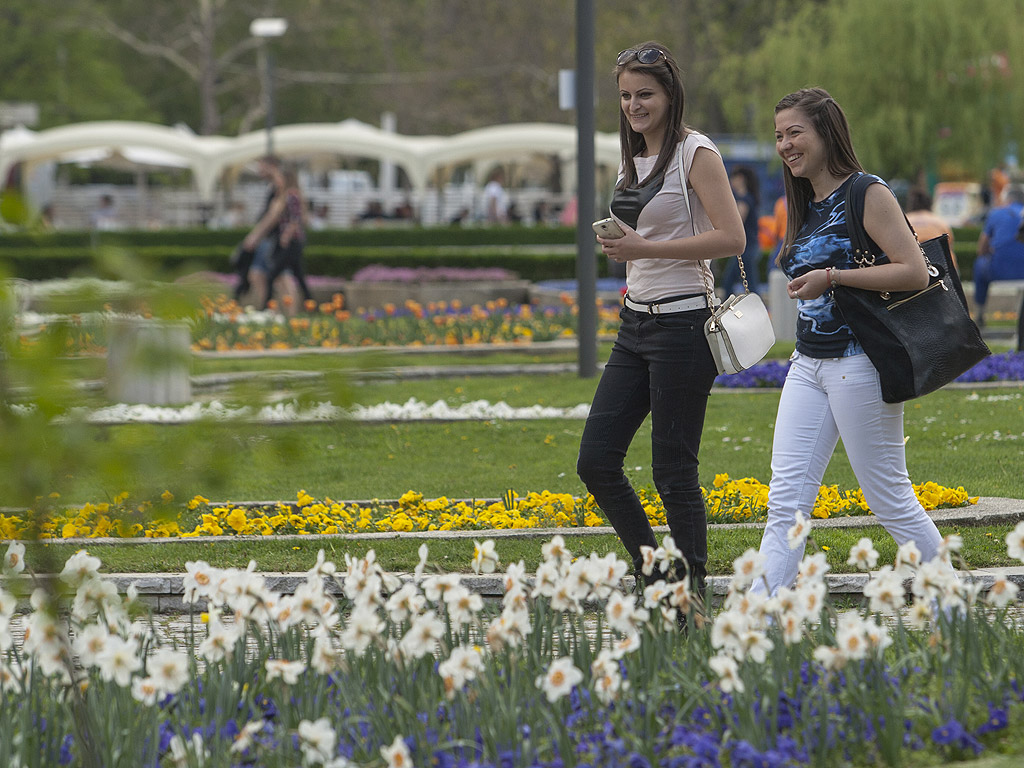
(209, 157)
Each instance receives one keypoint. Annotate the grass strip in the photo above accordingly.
(984, 547)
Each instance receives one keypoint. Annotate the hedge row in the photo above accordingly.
(533, 253)
(50, 263)
(370, 236)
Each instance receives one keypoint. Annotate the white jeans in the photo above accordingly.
(823, 400)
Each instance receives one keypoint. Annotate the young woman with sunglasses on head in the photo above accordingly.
(832, 389)
(661, 364)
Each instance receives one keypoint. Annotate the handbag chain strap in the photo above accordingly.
(709, 277)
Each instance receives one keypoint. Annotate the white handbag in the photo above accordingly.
(739, 331)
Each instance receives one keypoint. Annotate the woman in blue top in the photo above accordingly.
(832, 389)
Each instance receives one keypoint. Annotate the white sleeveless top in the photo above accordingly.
(665, 218)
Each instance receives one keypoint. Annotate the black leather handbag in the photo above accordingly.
(918, 340)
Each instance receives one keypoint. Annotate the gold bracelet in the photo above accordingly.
(833, 276)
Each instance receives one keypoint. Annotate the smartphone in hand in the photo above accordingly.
(608, 229)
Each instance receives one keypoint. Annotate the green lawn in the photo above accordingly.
(956, 437)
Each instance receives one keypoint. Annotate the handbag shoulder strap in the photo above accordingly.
(709, 276)
(865, 250)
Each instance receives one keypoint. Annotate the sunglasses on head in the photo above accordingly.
(643, 55)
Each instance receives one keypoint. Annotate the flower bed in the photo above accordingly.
(359, 668)
(728, 501)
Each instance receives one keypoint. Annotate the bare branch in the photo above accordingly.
(151, 49)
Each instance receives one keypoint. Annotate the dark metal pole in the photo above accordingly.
(270, 100)
(586, 262)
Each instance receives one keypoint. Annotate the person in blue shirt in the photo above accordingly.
(1000, 253)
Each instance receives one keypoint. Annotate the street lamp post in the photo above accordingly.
(266, 29)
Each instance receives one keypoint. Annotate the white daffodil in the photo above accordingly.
(323, 568)
(607, 573)
(169, 670)
(200, 580)
(515, 577)
(951, 545)
(908, 558)
(220, 640)
(1015, 542)
(1002, 592)
(798, 532)
(288, 671)
(850, 636)
(885, 591)
(463, 606)
(364, 626)
(792, 626)
(672, 551)
(89, 644)
(622, 613)
(920, 613)
(405, 603)
(565, 598)
(423, 552)
(747, 569)
(461, 667)
(397, 755)
(754, 645)
(546, 579)
(655, 593)
(831, 659)
(14, 560)
(434, 587)
(79, 567)
(648, 556)
(625, 644)
(317, 740)
(8, 604)
(145, 691)
(118, 660)
(934, 580)
(863, 555)
(606, 676)
(877, 637)
(728, 629)
(485, 559)
(559, 680)
(555, 550)
(811, 599)
(423, 636)
(728, 672)
(813, 568)
(245, 738)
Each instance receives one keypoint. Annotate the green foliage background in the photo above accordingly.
(929, 85)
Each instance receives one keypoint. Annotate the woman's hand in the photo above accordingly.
(626, 248)
(809, 285)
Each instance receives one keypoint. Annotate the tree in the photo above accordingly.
(928, 85)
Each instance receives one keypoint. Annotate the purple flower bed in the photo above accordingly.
(772, 373)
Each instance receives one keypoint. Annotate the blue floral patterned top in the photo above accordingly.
(823, 241)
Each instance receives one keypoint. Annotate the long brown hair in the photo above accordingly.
(829, 121)
(666, 72)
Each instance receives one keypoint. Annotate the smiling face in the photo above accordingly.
(799, 145)
(645, 104)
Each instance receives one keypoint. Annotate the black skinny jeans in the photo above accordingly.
(661, 365)
(289, 258)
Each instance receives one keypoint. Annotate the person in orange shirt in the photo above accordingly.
(926, 223)
(997, 181)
